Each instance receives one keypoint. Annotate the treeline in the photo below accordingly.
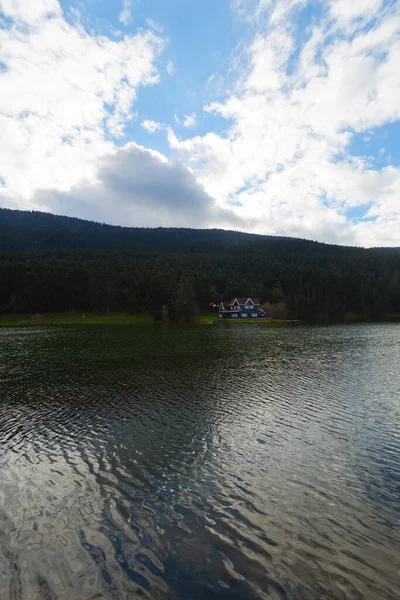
(181, 275)
(368, 286)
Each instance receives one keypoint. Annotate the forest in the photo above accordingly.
(50, 263)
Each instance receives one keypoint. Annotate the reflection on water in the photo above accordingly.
(215, 462)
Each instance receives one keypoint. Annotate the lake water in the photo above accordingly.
(225, 461)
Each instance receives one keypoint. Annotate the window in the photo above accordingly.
(254, 315)
(234, 316)
(244, 315)
(220, 316)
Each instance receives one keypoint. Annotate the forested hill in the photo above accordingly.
(37, 231)
(50, 263)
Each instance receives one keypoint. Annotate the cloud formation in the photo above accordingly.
(125, 16)
(275, 152)
(190, 120)
(31, 13)
(151, 126)
(65, 96)
(139, 187)
(297, 105)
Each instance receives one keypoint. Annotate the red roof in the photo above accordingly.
(244, 300)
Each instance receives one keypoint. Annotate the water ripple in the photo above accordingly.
(200, 463)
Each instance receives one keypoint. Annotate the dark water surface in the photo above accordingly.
(206, 462)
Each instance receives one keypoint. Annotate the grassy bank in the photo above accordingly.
(74, 319)
(59, 319)
(141, 320)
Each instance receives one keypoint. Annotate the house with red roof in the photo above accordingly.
(241, 308)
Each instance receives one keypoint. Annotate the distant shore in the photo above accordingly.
(143, 320)
(58, 319)
(138, 320)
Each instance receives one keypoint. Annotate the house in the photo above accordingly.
(241, 308)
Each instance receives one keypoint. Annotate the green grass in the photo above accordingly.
(58, 319)
(206, 319)
(91, 319)
(264, 321)
(75, 319)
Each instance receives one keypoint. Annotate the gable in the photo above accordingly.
(254, 301)
(247, 302)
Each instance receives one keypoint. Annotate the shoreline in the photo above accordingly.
(143, 320)
(115, 319)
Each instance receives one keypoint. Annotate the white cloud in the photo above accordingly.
(283, 163)
(31, 12)
(285, 159)
(158, 28)
(64, 94)
(125, 16)
(150, 126)
(190, 120)
(347, 12)
(140, 188)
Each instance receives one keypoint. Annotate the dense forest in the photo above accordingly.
(52, 264)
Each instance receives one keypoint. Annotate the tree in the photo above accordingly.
(184, 303)
(214, 295)
(31, 296)
(276, 295)
(157, 294)
(393, 292)
(164, 313)
(275, 311)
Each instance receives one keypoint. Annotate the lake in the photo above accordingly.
(225, 461)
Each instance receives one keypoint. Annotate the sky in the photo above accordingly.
(279, 117)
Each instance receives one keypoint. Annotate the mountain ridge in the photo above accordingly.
(47, 231)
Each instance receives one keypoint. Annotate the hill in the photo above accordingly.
(31, 230)
(52, 263)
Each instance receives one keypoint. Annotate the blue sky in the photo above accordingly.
(201, 40)
(381, 146)
(272, 116)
